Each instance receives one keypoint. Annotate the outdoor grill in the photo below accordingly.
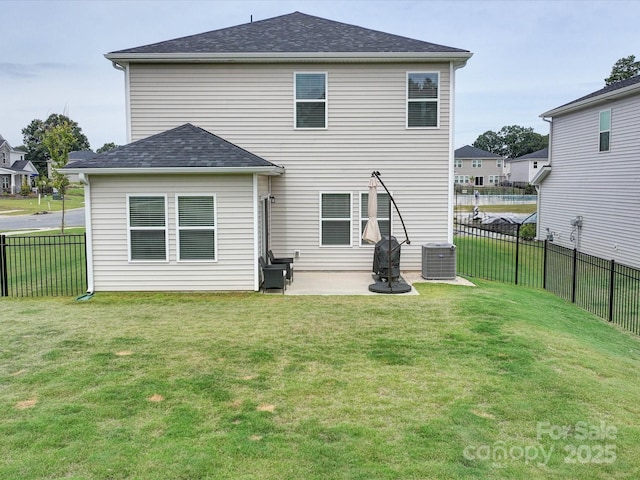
(381, 259)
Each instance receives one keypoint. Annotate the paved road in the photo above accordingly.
(72, 218)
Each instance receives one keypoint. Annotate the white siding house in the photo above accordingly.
(589, 191)
(522, 170)
(324, 119)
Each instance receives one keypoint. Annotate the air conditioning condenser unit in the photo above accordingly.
(439, 261)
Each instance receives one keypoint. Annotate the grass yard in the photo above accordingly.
(493, 382)
(10, 205)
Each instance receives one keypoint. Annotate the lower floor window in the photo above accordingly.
(147, 221)
(196, 227)
(461, 179)
(494, 179)
(335, 219)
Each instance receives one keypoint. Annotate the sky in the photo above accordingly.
(528, 56)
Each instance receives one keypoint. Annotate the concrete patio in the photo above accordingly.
(350, 283)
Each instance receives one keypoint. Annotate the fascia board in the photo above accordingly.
(592, 101)
(175, 170)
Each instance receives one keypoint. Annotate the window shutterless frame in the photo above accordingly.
(604, 140)
(196, 228)
(147, 228)
(423, 99)
(336, 222)
(310, 109)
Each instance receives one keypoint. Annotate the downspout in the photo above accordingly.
(84, 179)
(256, 239)
(538, 191)
(127, 95)
(450, 189)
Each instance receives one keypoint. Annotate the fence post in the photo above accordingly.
(574, 275)
(517, 250)
(544, 265)
(612, 287)
(4, 279)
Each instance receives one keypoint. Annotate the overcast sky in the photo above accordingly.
(528, 56)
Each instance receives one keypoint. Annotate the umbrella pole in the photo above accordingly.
(399, 288)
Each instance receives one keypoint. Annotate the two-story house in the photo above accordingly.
(264, 135)
(15, 171)
(588, 193)
(476, 167)
(521, 171)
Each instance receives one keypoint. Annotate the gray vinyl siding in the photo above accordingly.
(234, 268)
(253, 107)
(602, 187)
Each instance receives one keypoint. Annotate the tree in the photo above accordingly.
(59, 140)
(624, 68)
(33, 135)
(512, 141)
(106, 147)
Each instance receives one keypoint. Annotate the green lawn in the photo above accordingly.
(252, 386)
(10, 205)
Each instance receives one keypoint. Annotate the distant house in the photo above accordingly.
(476, 167)
(589, 190)
(521, 171)
(264, 136)
(14, 169)
(76, 156)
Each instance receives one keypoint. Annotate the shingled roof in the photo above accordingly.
(182, 149)
(292, 33)
(614, 90)
(472, 152)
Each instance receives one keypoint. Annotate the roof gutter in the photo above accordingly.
(294, 57)
(272, 170)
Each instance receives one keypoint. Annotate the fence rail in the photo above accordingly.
(603, 287)
(50, 265)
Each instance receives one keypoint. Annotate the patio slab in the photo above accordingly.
(350, 283)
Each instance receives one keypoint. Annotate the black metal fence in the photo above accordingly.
(51, 265)
(605, 288)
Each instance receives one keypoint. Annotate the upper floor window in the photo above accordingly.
(311, 100)
(457, 163)
(535, 164)
(476, 163)
(499, 163)
(605, 130)
(422, 99)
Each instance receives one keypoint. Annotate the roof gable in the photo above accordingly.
(539, 154)
(183, 148)
(292, 33)
(614, 90)
(472, 152)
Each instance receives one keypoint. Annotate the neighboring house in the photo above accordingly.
(520, 171)
(476, 167)
(588, 194)
(14, 169)
(76, 156)
(264, 136)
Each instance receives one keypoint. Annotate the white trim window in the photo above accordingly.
(457, 163)
(147, 228)
(423, 99)
(494, 179)
(605, 131)
(461, 179)
(499, 163)
(476, 163)
(310, 93)
(196, 227)
(384, 214)
(335, 219)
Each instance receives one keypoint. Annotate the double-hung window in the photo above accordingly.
(310, 100)
(383, 217)
(476, 163)
(335, 219)
(196, 224)
(147, 222)
(422, 99)
(457, 163)
(605, 130)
